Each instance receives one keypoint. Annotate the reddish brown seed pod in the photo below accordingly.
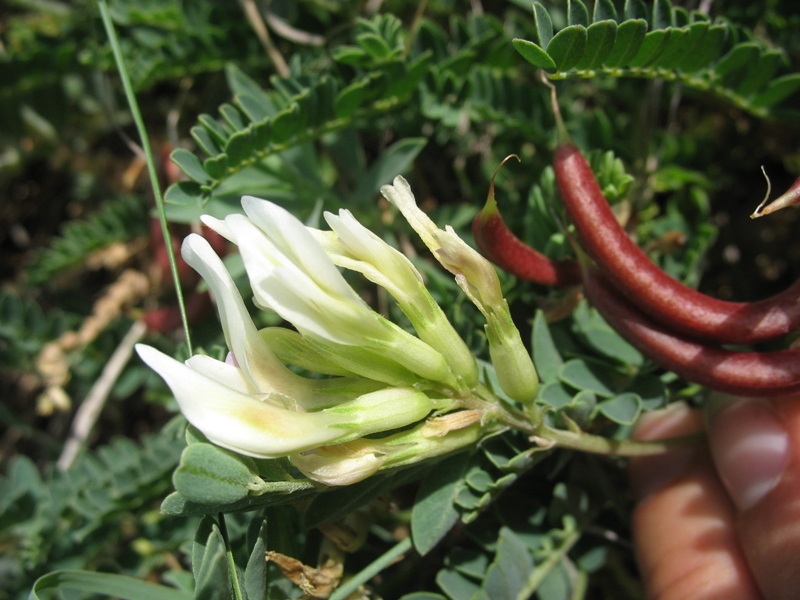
(645, 284)
(750, 374)
(498, 244)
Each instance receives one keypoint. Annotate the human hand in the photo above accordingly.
(721, 522)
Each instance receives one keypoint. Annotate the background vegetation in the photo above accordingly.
(314, 104)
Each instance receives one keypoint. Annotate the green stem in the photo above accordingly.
(148, 153)
(237, 587)
(596, 444)
(360, 578)
(538, 575)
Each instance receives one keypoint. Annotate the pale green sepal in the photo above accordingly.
(365, 362)
(292, 348)
(511, 360)
(344, 464)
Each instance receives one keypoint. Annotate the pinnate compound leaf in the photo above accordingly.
(214, 129)
(241, 83)
(567, 46)
(534, 54)
(351, 97)
(232, 116)
(183, 193)
(255, 110)
(210, 475)
(434, 512)
(582, 407)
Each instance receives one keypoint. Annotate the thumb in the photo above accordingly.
(755, 446)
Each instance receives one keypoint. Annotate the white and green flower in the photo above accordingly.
(380, 379)
(352, 246)
(478, 279)
(291, 273)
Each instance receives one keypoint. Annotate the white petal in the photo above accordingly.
(261, 367)
(281, 285)
(219, 226)
(400, 194)
(228, 375)
(293, 240)
(238, 421)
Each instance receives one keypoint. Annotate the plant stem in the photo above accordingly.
(596, 444)
(151, 165)
(360, 578)
(237, 587)
(538, 575)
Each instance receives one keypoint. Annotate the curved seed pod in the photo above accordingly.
(752, 374)
(645, 284)
(497, 243)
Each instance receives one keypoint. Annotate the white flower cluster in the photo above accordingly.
(381, 378)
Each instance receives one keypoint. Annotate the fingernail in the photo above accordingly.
(749, 445)
(652, 473)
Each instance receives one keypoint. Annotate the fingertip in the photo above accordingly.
(750, 447)
(757, 451)
(685, 541)
(651, 473)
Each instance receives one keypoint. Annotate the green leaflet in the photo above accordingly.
(434, 512)
(120, 586)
